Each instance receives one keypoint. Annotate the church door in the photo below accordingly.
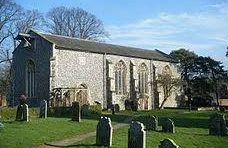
(82, 97)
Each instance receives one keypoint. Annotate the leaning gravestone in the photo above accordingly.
(218, 125)
(168, 143)
(151, 123)
(25, 112)
(43, 109)
(104, 132)
(19, 114)
(136, 135)
(168, 126)
(76, 112)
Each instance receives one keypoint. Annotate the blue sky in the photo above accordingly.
(198, 25)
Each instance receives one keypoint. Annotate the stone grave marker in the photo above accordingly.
(151, 123)
(218, 125)
(104, 132)
(43, 109)
(85, 111)
(19, 114)
(168, 126)
(136, 135)
(76, 111)
(25, 112)
(168, 143)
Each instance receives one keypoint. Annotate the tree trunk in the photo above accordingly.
(162, 104)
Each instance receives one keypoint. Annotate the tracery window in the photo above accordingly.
(143, 79)
(30, 79)
(120, 78)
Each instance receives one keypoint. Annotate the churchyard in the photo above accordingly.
(188, 129)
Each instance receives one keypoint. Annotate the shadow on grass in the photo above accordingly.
(119, 118)
(73, 145)
(179, 120)
(187, 122)
(85, 145)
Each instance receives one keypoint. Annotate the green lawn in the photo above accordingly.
(38, 131)
(184, 137)
(191, 130)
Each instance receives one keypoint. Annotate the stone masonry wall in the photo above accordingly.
(174, 99)
(73, 68)
(119, 99)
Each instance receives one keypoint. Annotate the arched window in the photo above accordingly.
(143, 79)
(30, 79)
(166, 70)
(120, 78)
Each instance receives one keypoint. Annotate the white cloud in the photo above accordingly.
(201, 32)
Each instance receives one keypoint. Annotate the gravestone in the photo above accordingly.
(113, 109)
(168, 126)
(117, 108)
(85, 111)
(43, 109)
(104, 132)
(25, 112)
(19, 114)
(168, 143)
(151, 123)
(136, 135)
(218, 125)
(127, 105)
(76, 112)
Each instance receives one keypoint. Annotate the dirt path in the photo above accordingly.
(70, 141)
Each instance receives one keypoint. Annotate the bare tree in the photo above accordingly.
(9, 14)
(75, 22)
(168, 84)
(13, 20)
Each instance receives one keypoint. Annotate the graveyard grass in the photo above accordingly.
(191, 130)
(39, 131)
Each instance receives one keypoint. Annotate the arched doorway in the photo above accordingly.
(82, 94)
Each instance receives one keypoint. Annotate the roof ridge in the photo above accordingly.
(100, 47)
(86, 40)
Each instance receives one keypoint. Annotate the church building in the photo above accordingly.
(63, 69)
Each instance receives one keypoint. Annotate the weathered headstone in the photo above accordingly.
(151, 123)
(76, 111)
(117, 108)
(19, 114)
(43, 109)
(25, 112)
(168, 143)
(104, 132)
(113, 109)
(85, 111)
(168, 126)
(136, 135)
(218, 125)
